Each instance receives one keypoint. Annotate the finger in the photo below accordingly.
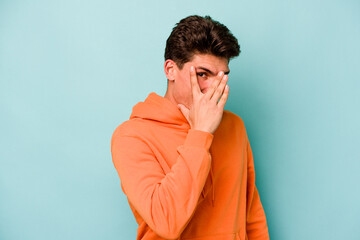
(214, 85)
(194, 83)
(220, 89)
(224, 97)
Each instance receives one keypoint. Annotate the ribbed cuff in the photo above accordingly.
(197, 138)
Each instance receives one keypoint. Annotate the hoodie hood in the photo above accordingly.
(162, 110)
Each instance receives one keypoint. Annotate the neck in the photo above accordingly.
(168, 95)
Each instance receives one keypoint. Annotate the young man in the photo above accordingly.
(185, 164)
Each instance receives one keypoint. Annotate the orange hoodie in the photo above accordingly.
(187, 184)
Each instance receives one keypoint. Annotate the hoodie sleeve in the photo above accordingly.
(166, 202)
(256, 226)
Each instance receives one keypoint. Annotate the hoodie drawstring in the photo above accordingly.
(212, 186)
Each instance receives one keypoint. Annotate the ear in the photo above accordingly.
(170, 68)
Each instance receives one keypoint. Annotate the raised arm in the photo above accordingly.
(166, 202)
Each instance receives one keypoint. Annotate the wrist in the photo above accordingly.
(202, 129)
(199, 138)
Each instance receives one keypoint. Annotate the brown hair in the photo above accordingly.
(196, 34)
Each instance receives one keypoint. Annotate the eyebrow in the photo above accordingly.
(209, 71)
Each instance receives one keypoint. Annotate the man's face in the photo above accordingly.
(206, 66)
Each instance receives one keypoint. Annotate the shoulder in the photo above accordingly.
(233, 124)
(234, 119)
(129, 128)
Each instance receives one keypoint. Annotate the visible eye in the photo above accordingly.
(201, 74)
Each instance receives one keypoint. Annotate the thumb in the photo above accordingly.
(185, 111)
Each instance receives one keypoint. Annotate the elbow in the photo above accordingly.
(168, 224)
(174, 234)
(169, 229)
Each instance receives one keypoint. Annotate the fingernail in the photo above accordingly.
(192, 68)
(221, 73)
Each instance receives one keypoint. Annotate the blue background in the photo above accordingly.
(70, 72)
